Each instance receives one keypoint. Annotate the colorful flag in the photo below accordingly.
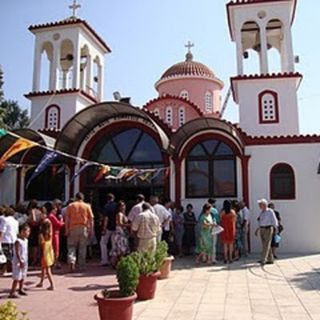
(2, 132)
(102, 172)
(84, 167)
(48, 158)
(19, 145)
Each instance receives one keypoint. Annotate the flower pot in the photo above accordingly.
(147, 286)
(166, 268)
(115, 307)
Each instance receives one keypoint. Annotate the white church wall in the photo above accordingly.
(301, 218)
(8, 182)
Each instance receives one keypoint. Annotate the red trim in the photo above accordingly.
(245, 177)
(53, 133)
(18, 186)
(267, 76)
(71, 21)
(207, 136)
(177, 164)
(253, 141)
(248, 2)
(287, 166)
(112, 128)
(59, 92)
(52, 106)
(261, 106)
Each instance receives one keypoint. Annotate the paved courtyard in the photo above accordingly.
(289, 289)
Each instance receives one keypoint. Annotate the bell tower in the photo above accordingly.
(267, 101)
(68, 71)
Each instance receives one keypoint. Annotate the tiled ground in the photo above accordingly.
(289, 289)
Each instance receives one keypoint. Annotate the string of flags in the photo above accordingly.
(104, 171)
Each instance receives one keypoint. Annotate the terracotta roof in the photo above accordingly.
(268, 76)
(71, 21)
(58, 92)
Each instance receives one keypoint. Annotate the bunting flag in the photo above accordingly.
(84, 167)
(48, 158)
(3, 132)
(20, 145)
(104, 170)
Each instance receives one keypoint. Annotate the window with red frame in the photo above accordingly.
(282, 182)
(52, 117)
(268, 107)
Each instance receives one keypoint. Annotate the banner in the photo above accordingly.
(48, 158)
(84, 167)
(2, 132)
(102, 172)
(19, 145)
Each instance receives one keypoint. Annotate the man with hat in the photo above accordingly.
(268, 225)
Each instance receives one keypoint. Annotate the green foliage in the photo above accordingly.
(160, 254)
(151, 261)
(9, 311)
(128, 276)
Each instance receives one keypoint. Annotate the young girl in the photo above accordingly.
(20, 261)
(47, 255)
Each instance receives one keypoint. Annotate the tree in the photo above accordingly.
(11, 115)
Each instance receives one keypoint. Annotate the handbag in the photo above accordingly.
(3, 258)
(216, 230)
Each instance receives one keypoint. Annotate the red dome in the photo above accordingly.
(188, 68)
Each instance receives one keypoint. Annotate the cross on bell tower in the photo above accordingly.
(74, 7)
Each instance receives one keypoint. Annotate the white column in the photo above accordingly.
(288, 50)
(76, 65)
(88, 85)
(100, 81)
(263, 50)
(36, 67)
(239, 53)
(54, 67)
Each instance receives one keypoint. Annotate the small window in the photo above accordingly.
(268, 107)
(208, 102)
(156, 112)
(184, 94)
(182, 116)
(169, 119)
(282, 182)
(52, 120)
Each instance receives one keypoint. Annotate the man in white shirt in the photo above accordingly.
(268, 225)
(246, 215)
(9, 229)
(162, 213)
(136, 209)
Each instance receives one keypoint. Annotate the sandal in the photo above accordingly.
(13, 296)
(22, 293)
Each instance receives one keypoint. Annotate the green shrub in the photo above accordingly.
(9, 311)
(128, 276)
(160, 254)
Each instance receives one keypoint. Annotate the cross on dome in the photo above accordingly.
(189, 55)
(74, 7)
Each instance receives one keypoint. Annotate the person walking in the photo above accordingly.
(268, 225)
(108, 227)
(146, 226)
(79, 224)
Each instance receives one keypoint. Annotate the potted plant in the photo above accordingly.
(149, 274)
(163, 261)
(9, 311)
(118, 304)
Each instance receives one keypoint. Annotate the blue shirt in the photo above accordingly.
(215, 215)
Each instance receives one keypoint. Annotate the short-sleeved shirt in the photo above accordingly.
(162, 213)
(110, 211)
(246, 214)
(78, 213)
(9, 228)
(268, 218)
(146, 224)
(215, 215)
(135, 211)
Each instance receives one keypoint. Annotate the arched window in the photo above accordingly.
(268, 107)
(169, 119)
(156, 112)
(211, 170)
(182, 116)
(208, 102)
(52, 120)
(282, 182)
(184, 94)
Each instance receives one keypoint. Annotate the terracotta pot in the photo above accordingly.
(147, 286)
(166, 268)
(115, 307)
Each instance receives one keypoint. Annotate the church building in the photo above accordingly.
(181, 130)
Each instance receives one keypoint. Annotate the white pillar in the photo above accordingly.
(239, 53)
(100, 82)
(76, 65)
(288, 50)
(36, 68)
(88, 85)
(54, 67)
(263, 50)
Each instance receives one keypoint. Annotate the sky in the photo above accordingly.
(146, 38)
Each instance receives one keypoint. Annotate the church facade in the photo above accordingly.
(181, 130)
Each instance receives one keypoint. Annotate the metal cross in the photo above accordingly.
(74, 7)
(189, 45)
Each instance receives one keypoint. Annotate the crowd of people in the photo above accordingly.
(46, 235)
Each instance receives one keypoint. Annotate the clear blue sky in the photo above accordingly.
(148, 36)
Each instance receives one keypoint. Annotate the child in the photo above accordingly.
(47, 255)
(20, 261)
